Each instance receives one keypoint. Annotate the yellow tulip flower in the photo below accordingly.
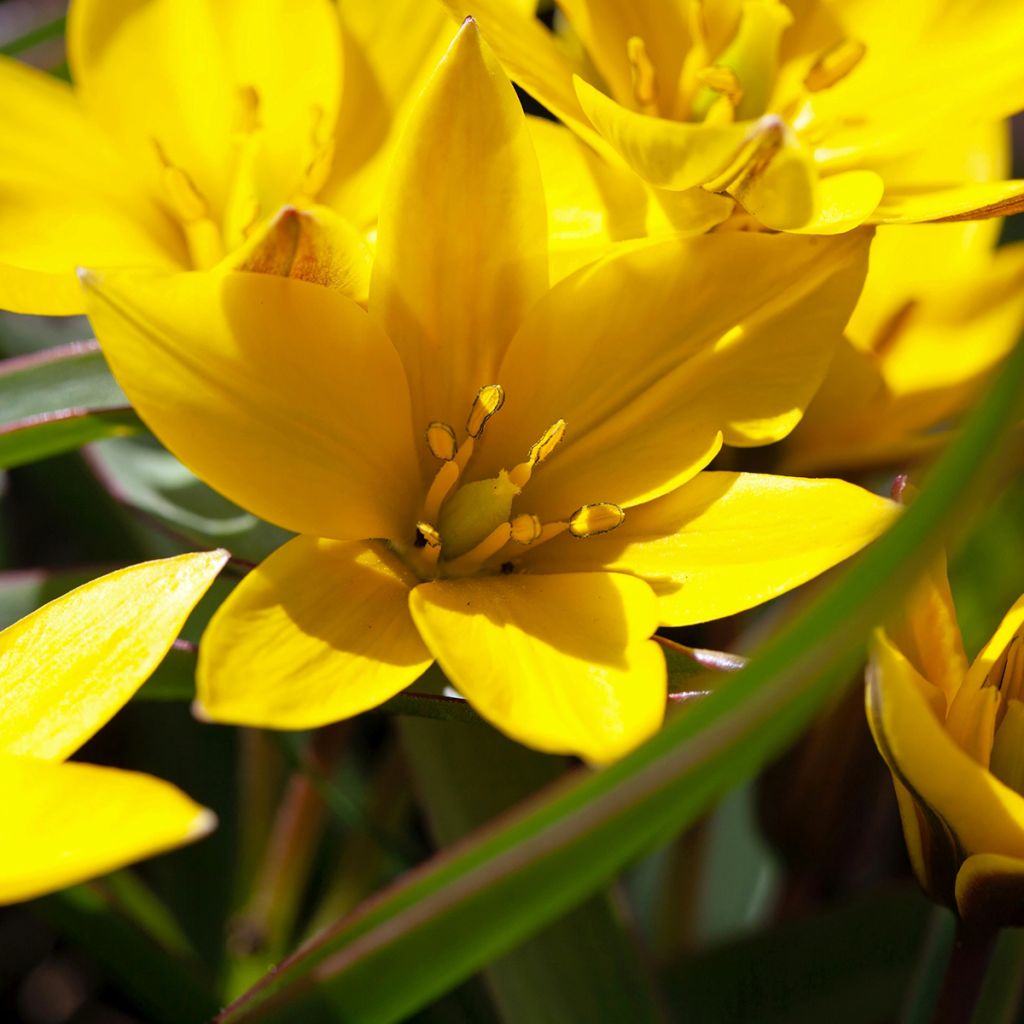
(953, 737)
(64, 672)
(483, 471)
(808, 115)
(940, 308)
(192, 121)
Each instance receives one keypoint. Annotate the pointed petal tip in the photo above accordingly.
(88, 278)
(203, 824)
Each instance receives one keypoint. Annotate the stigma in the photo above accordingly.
(471, 527)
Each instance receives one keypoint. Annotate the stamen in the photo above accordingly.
(642, 75)
(204, 241)
(589, 520)
(322, 145)
(539, 451)
(724, 81)
(834, 65)
(489, 399)
(431, 541)
(526, 528)
(441, 486)
(441, 440)
(247, 110)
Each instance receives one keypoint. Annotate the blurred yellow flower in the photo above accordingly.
(65, 670)
(810, 115)
(484, 471)
(940, 308)
(953, 737)
(192, 121)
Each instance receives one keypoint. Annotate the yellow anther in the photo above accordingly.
(431, 541)
(441, 440)
(526, 528)
(247, 110)
(441, 486)
(601, 517)
(539, 451)
(834, 65)
(642, 75)
(723, 81)
(489, 399)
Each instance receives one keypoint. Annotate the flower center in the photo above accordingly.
(469, 528)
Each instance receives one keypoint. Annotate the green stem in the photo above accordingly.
(42, 34)
(1002, 995)
(965, 973)
(933, 959)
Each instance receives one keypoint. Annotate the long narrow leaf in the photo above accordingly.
(441, 923)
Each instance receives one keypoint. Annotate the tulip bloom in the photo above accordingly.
(810, 116)
(65, 670)
(482, 471)
(942, 305)
(953, 737)
(192, 121)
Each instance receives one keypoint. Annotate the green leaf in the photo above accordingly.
(477, 901)
(140, 474)
(42, 34)
(583, 967)
(57, 400)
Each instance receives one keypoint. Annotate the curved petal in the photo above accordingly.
(561, 663)
(974, 201)
(57, 213)
(319, 632)
(533, 59)
(283, 395)
(462, 244)
(390, 51)
(68, 667)
(983, 814)
(725, 542)
(843, 202)
(189, 73)
(65, 823)
(650, 355)
(990, 891)
(668, 154)
(1011, 626)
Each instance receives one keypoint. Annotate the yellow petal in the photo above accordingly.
(606, 27)
(462, 245)
(65, 823)
(390, 51)
(56, 212)
(650, 355)
(283, 395)
(532, 58)
(843, 202)
(68, 667)
(983, 814)
(669, 154)
(312, 244)
(561, 663)
(1011, 626)
(725, 542)
(182, 73)
(990, 891)
(974, 201)
(320, 631)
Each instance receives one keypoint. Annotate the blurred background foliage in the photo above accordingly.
(790, 902)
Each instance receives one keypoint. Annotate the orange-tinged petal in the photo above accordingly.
(973, 201)
(462, 245)
(652, 354)
(725, 542)
(283, 395)
(65, 823)
(983, 814)
(56, 212)
(68, 667)
(669, 154)
(320, 631)
(561, 663)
